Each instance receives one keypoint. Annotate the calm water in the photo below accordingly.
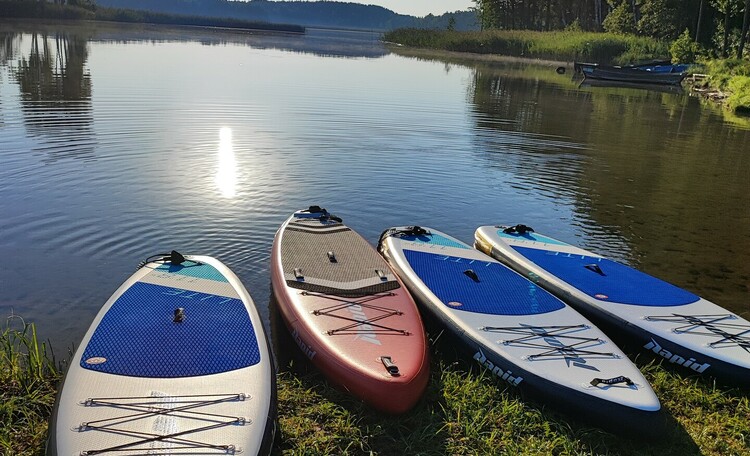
(120, 142)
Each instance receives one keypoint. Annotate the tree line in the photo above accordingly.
(319, 13)
(719, 26)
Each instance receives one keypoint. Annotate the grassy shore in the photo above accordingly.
(729, 78)
(464, 411)
(557, 45)
(732, 77)
(28, 376)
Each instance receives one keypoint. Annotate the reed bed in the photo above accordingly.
(558, 45)
(28, 375)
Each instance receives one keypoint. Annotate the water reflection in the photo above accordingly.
(226, 174)
(56, 94)
(9, 42)
(651, 178)
(630, 85)
(648, 174)
(320, 42)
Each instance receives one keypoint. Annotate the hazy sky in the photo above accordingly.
(419, 7)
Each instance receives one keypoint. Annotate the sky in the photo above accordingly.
(419, 7)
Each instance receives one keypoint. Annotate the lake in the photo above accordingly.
(119, 142)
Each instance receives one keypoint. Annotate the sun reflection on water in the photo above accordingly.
(226, 174)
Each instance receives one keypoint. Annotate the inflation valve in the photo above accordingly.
(390, 366)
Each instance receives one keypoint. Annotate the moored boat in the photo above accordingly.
(647, 74)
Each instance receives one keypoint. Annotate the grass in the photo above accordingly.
(28, 375)
(556, 45)
(465, 411)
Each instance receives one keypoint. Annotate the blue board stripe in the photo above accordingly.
(201, 271)
(617, 282)
(530, 236)
(499, 290)
(138, 337)
(434, 239)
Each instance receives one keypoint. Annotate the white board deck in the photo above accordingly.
(682, 328)
(143, 383)
(523, 334)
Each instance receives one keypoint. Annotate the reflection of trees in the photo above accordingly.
(56, 94)
(9, 42)
(653, 167)
(8, 47)
(526, 129)
(324, 43)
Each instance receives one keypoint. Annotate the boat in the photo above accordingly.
(663, 319)
(645, 74)
(522, 334)
(660, 66)
(348, 312)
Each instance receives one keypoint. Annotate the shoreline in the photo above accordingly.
(697, 84)
(465, 410)
(411, 51)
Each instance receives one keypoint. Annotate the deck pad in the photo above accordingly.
(608, 280)
(138, 337)
(497, 291)
(355, 269)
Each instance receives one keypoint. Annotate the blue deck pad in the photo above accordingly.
(434, 239)
(499, 291)
(530, 236)
(190, 269)
(618, 284)
(137, 336)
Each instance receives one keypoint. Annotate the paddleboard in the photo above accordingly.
(520, 332)
(664, 319)
(348, 312)
(176, 362)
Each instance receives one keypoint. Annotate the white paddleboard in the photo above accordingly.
(176, 362)
(681, 327)
(520, 332)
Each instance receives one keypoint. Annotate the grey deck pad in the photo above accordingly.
(357, 271)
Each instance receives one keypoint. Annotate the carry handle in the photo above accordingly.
(612, 381)
(390, 366)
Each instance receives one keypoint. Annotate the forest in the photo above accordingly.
(332, 14)
(715, 27)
